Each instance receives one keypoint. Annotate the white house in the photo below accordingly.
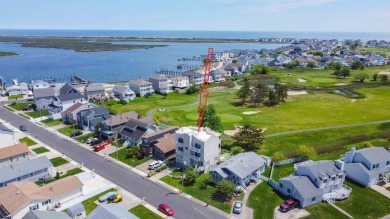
(181, 82)
(141, 87)
(160, 83)
(123, 92)
(194, 77)
(39, 84)
(17, 90)
(198, 149)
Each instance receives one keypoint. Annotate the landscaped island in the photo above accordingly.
(8, 54)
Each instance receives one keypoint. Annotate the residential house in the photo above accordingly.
(302, 62)
(141, 87)
(18, 198)
(95, 92)
(112, 126)
(241, 169)
(88, 118)
(170, 84)
(135, 129)
(6, 136)
(67, 89)
(111, 211)
(160, 144)
(194, 77)
(36, 214)
(160, 84)
(63, 101)
(13, 154)
(43, 97)
(123, 92)
(181, 82)
(314, 182)
(29, 170)
(39, 84)
(14, 90)
(76, 211)
(198, 149)
(232, 69)
(70, 115)
(366, 166)
(217, 76)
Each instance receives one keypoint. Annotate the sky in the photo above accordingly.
(229, 15)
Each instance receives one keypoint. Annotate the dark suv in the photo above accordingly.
(74, 134)
(288, 205)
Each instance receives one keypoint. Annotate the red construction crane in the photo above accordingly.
(205, 87)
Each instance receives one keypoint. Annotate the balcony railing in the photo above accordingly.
(196, 149)
(195, 158)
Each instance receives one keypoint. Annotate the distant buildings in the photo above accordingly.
(141, 87)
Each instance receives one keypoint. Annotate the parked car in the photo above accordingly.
(76, 133)
(90, 140)
(237, 207)
(111, 198)
(288, 205)
(22, 128)
(117, 199)
(104, 197)
(96, 142)
(164, 208)
(155, 164)
(27, 108)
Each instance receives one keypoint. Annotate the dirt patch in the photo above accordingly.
(230, 132)
(340, 84)
(250, 112)
(293, 93)
(302, 80)
(384, 73)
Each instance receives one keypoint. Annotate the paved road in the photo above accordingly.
(154, 194)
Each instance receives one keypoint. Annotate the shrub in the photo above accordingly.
(224, 190)
(190, 176)
(205, 182)
(368, 144)
(236, 150)
(227, 83)
(306, 152)
(151, 173)
(384, 126)
(357, 137)
(278, 156)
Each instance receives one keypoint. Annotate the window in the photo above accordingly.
(340, 176)
(180, 148)
(19, 179)
(315, 180)
(180, 140)
(387, 163)
(281, 185)
(325, 181)
(198, 146)
(11, 159)
(1, 185)
(313, 199)
(186, 148)
(333, 178)
(289, 191)
(375, 166)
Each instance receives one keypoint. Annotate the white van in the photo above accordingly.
(155, 164)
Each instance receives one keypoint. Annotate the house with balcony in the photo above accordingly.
(160, 144)
(217, 76)
(200, 150)
(70, 115)
(160, 84)
(241, 169)
(88, 118)
(181, 82)
(194, 77)
(67, 96)
(366, 166)
(112, 126)
(95, 92)
(135, 129)
(141, 87)
(123, 92)
(18, 198)
(14, 154)
(43, 97)
(314, 182)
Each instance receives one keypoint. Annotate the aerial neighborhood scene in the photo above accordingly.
(212, 109)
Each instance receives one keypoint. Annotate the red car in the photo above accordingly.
(288, 205)
(164, 208)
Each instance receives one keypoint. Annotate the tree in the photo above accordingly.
(361, 76)
(278, 156)
(335, 65)
(272, 98)
(211, 119)
(97, 129)
(305, 152)
(256, 69)
(234, 61)
(375, 77)
(292, 64)
(260, 93)
(225, 189)
(265, 70)
(205, 181)
(353, 46)
(245, 91)
(342, 73)
(190, 176)
(236, 150)
(133, 152)
(383, 78)
(311, 64)
(193, 89)
(249, 138)
(357, 65)
(318, 53)
(281, 92)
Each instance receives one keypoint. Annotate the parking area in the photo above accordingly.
(293, 214)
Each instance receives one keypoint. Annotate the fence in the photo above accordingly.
(292, 160)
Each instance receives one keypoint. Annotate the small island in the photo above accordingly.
(8, 54)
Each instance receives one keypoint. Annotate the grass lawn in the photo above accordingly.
(28, 141)
(204, 195)
(15, 97)
(37, 114)
(90, 205)
(24, 115)
(20, 106)
(143, 212)
(40, 150)
(58, 161)
(122, 156)
(83, 138)
(143, 105)
(263, 200)
(68, 173)
(283, 170)
(51, 122)
(67, 130)
(362, 203)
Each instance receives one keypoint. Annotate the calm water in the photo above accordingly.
(40, 63)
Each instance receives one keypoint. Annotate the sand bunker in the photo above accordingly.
(302, 80)
(293, 93)
(341, 84)
(250, 112)
(230, 132)
(353, 100)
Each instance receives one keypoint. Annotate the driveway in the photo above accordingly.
(293, 214)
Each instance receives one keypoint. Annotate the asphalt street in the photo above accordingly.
(153, 193)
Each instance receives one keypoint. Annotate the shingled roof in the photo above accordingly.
(13, 150)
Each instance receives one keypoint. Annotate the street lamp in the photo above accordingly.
(182, 176)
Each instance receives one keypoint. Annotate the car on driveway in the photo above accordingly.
(111, 198)
(237, 207)
(164, 208)
(288, 205)
(22, 128)
(104, 197)
(76, 133)
(155, 164)
(90, 140)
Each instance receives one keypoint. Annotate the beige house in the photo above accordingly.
(13, 154)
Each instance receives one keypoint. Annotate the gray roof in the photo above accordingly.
(241, 165)
(112, 211)
(304, 186)
(70, 96)
(158, 77)
(94, 87)
(192, 74)
(44, 92)
(320, 168)
(66, 89)
(95, 121)
(26, 167)
(134, 129)
(139, 81)
(36, 214)
(122, 89)
(373, 172)
(5, 128)
(374, 155)
(75, 209)
(97, 111)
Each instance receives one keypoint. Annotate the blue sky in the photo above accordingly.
(232, 15)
